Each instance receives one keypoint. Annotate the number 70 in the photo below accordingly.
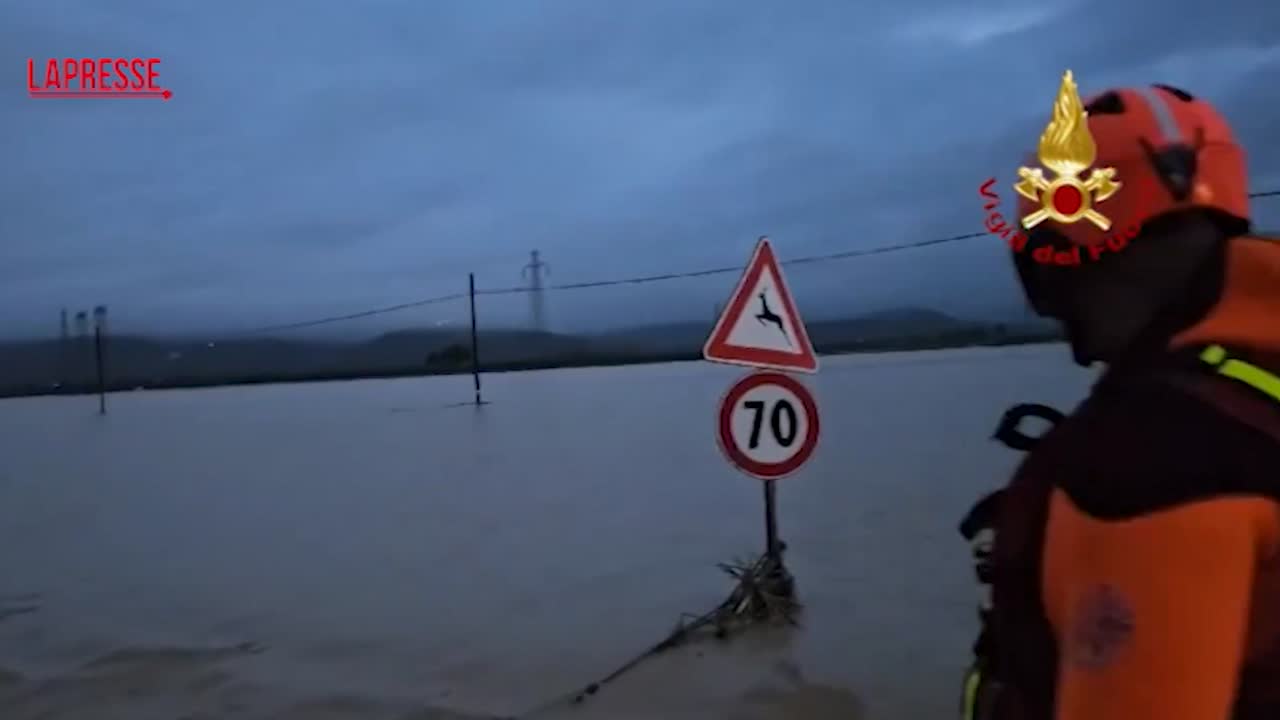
(782, 414)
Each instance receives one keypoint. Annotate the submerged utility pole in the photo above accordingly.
(100, 329)
(537, 309)
(81, 374)
(475, 340)
(64, 348)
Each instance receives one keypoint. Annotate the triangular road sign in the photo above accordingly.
(760, 326)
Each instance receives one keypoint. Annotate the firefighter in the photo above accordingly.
(1135, 568)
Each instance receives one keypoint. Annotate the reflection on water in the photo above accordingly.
(384, 549)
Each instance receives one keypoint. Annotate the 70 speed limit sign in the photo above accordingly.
(768, 425)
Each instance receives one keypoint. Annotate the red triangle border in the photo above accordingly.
(717, 347)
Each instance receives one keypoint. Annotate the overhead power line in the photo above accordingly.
(354, 316)
(810, 259)
(737, 268)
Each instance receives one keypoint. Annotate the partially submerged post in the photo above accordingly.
(475, 340)
(99, 331)
(102, 381)
(771, 521)
(768, 421)
(768, 427)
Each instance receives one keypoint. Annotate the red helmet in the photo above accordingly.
(1170, 151)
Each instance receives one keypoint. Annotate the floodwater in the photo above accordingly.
(366, 550)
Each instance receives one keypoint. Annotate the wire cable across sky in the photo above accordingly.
(810, 259)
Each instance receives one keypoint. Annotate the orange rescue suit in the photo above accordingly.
(1137, 552)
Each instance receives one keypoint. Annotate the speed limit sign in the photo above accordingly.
(768, 425)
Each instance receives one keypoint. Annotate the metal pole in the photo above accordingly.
(475, 341)
(65, 375)
(102, 384)
(771, 520)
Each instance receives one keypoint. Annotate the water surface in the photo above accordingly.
(384, 551)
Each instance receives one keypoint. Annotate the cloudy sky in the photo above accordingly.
(322, 157)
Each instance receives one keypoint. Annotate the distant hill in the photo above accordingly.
(162, 360)
(44, 366)
(826, 335)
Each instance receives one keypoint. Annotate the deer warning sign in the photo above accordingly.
(760, 326)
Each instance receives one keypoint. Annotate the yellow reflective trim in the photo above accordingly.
(1255, 376)
(972, 680)
(1214, 354)
(1251, 375)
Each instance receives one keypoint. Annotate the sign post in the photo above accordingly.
(771, 521)
(768, 421)
(768, 428)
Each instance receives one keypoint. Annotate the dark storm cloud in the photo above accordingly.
(321, 157)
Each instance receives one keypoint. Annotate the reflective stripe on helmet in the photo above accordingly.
(1164, 116)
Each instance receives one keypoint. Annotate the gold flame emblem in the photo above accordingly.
(1067, 148)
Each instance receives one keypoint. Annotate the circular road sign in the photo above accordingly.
(768, 425)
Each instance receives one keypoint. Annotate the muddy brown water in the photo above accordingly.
(363, 550)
